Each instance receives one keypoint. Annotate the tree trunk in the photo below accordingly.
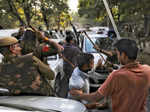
(27, 14)
(13, 10)
(58, 22)
(45, 17)
(146, 25)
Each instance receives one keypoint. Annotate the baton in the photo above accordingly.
(65, 59)
(98, 49)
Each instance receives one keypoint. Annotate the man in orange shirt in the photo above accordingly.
(127, 86)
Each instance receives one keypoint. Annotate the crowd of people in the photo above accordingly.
(25, 71)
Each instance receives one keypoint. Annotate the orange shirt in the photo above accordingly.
(128, 88)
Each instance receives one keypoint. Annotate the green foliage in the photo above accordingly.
(136, 13)
(31, 12)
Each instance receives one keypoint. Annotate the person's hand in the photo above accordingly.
(99, 63)
(96, 105)
(34, 29)
(96, 47)
(38, 33)
(103, 105)
(60, 55)
(76, 93)
(91, 105)
(60, 48)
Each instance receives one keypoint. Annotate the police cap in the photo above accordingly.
(5, 41)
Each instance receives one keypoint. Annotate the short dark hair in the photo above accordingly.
(129, 47)
(69, 38)
(112, 34)
(84, 58)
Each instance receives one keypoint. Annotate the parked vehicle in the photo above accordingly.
(8, 32)
(100, 30)
(39, 104)
(102, 40)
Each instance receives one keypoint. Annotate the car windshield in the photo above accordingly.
(89, 48)
(102, 42)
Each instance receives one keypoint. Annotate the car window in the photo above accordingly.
(101, 42)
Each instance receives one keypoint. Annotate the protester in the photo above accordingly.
(128, 86)
(70, 53)
(79, 79)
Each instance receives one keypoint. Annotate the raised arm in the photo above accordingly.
(51, 42)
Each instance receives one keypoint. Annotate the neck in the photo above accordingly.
(129, 61)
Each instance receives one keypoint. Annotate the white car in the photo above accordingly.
(96, 79)
(100, 29)
(8, 32)
(39, 104)
(87, 46)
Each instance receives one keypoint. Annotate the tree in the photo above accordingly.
(133, 12)
(27, 12)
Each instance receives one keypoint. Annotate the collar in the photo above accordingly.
(83, 74)
(131, 65)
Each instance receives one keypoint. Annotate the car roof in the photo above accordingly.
(95, 35)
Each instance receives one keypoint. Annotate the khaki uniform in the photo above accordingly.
(26, 75)
(31, 43)
(43, 51)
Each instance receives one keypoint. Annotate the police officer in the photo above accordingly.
(34, 41)
(23, 74)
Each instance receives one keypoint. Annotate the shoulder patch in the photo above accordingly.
(45, 48)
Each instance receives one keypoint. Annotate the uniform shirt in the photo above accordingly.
(79, 80)
(128, 88)
(26, 75)
(43, 51)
